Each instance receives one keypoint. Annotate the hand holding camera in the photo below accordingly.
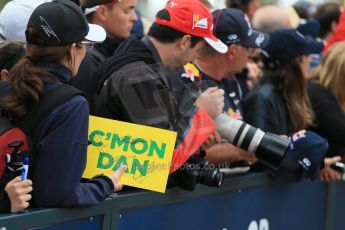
(333, 170)
(301, 155)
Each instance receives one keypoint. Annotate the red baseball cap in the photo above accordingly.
(194, 18)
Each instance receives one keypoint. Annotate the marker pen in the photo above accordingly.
(25, 166)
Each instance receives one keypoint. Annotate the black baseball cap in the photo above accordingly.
(310, 28)
(61, 22)
(287, 44)
(232, 26)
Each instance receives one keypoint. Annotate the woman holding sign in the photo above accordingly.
(59, 141)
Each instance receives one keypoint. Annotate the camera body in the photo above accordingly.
(15, 159)
(197, 170)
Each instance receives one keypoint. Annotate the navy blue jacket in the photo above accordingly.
(329, 118)
(60, 142)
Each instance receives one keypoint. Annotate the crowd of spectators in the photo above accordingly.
(273, 68)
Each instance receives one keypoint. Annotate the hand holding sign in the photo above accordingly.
(116, 176)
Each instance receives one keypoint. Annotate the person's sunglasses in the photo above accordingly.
(87, 44)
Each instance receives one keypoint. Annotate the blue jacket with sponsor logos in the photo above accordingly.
(60, 146)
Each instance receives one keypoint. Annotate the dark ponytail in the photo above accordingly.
(27, 80)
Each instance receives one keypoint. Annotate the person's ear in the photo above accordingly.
(71, 55)
(334, 25)
(232, 50)
(4, 75)
(184, 42)
(72, 49)
(101, 13)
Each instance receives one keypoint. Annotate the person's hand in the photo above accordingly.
(212, 101)
(327, 174)
(225, 152)
(213, 139)
(18, 192)
(115, 177)
(284, 137)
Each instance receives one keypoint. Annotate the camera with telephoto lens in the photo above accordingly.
(269, 148)
(197, 170)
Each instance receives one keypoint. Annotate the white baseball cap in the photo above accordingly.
(15, 16)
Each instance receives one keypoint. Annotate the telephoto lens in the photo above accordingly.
(300, 155)
(267, 147)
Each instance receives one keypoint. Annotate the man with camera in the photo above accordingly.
(301, 155)
(212, 69)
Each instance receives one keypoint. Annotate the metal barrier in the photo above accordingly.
(253, 201)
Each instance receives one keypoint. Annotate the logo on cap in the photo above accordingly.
(199, 23)
(260, 39)
(298, 135)
(306, 162)
(232, 37)
(172, 4)
(250, 30)
(47, 29)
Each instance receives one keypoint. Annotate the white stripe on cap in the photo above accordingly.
(90, 10)
(93, 9)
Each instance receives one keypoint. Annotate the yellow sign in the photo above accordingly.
(146, 151)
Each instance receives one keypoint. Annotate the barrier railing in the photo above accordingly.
(253, 201)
